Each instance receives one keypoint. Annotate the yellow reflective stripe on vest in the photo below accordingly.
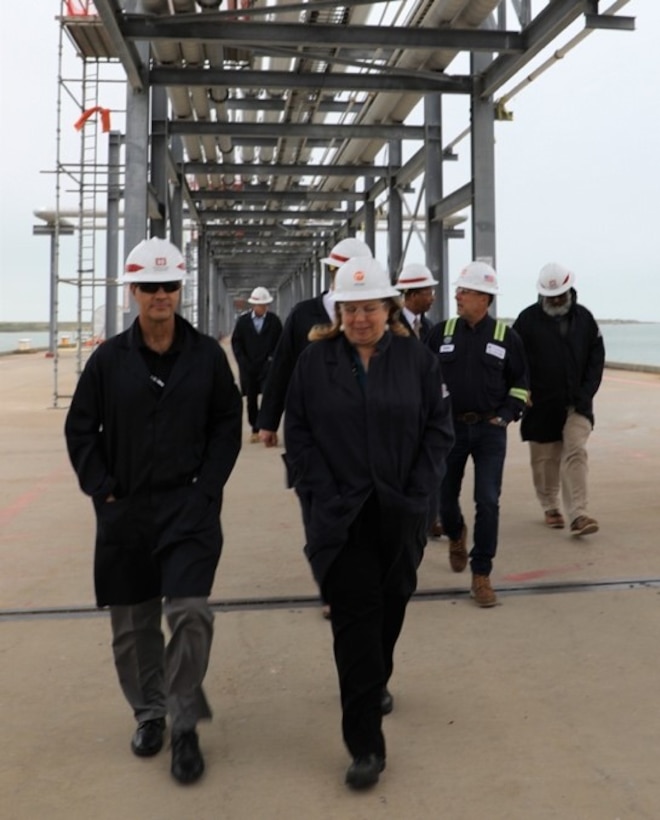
(450, 326)
(500, 330)
(518, 393)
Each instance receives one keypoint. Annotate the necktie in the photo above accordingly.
(417, 323)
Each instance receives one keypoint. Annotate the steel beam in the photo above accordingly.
(298, 36)
(279, 130)
(277, 169)
(383, 80)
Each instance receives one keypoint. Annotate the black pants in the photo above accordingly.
(253, 385)
(368, 588)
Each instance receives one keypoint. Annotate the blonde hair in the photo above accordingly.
(334, 328)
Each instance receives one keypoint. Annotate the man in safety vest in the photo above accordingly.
(483, 364)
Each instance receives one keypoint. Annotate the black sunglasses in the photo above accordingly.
(154, 287)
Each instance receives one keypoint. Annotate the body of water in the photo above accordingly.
(634, 343)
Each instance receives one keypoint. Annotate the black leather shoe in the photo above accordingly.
(148, 737)
(386, 701)
(365, 771)
(187, 760)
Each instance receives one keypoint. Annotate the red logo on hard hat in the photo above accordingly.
(358, 276)
(161, 261)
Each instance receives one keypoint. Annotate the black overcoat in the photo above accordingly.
(164, 454)
(254, 351)
(565, 357)
(293, 341)
(344, 443)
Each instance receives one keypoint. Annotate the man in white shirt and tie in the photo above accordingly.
(417, 287)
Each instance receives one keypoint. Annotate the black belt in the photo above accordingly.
(473, 418)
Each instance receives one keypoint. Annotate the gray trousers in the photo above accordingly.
(157, 679)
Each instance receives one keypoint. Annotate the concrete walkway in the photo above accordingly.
(544, 707)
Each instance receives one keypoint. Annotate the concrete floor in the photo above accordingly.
(544, 707)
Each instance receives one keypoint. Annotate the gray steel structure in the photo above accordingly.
(264, 126)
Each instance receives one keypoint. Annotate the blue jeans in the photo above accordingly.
(486, 443)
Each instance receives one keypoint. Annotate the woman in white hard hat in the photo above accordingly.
(367, 429)
(253, 341)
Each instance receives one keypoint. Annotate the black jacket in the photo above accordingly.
(293, 341)
(483, 375)
(164, 453)
(566, 357)
(254, 351)
(344, 443)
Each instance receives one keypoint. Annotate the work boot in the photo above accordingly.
(482, 592)
(554, 519)
(458, 556)
(583, 525)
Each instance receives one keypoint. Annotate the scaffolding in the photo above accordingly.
(84, 183)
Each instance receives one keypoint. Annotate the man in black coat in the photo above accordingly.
(153, 432)
(253, 341)
(566, 356)
(317, 311)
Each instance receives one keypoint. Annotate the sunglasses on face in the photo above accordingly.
(154, 287)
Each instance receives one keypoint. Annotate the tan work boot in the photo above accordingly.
(583, 525)
(554, 519)
(458, 556)
(482, 592)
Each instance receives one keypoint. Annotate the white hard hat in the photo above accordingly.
(260, 296)
(154, 260)
(346, 249)
(554, 280)
(362, 277)
(415, 275)
(477, 276)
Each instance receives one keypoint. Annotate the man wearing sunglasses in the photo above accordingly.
(153, 432)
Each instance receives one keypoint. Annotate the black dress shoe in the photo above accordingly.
(148, 737)
(187, 760)
(386, 701)
(365, 771)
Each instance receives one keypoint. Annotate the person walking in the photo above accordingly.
(253, 341)
(367, 428)
(153, 432)
(295, 338)
(484, 366)
(566, 357)
(417, 287)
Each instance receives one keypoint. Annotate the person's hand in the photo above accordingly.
(498, 421)
(269, 437)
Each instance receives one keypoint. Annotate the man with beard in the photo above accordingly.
(566, 356)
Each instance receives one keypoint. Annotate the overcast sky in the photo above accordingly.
(578, 170)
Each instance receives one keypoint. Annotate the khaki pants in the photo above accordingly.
(563, 463)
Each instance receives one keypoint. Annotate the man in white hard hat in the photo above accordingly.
(566, 356)
(417, 287)
(483, 363)
(253, 341)
(153, 432)
(299, 322)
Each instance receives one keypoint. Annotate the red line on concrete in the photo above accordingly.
(535, 574)
(649, 383)
(16, 507)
